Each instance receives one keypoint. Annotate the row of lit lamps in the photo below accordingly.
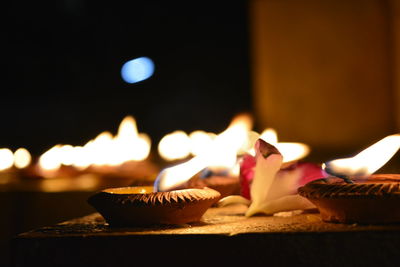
(128, 144)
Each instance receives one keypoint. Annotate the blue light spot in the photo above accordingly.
(137, 69)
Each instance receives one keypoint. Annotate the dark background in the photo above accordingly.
(62, 82)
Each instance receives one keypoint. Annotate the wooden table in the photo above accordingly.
(224, 237)
(28, 203)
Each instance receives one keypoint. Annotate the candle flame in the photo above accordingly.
(221, 153)
(6, 159)
(290, 151)
(129, 143)
(179, 145)
(200, 141)
(367, 161)
(175, 145)
(105, 149)
(50, 160)
(22, 158)
(270, 135)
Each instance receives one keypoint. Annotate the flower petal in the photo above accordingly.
(288, 179)
(268, 163)
(248, 162)
(285, 203)
(273, 185)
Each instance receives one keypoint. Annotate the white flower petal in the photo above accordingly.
(286, 203)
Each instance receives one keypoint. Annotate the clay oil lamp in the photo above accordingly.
(170, 201)
(142, 206)
(353, 193)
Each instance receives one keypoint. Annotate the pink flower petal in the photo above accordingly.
(311, 172)
(292, 177)
(268, 164)
(247, 165)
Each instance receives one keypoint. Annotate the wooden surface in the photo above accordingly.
(224, 236)
(27, 203)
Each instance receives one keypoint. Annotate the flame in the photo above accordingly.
(51, 159)
(222, 153)
(105, 149)
(179, 145)
(130, 144)
(6, 159)
(67, 155)
(233, 141)
(82, 157)
(290, 150)
(200, 141)
(22, 158)
(176, 175)
(270, 135)
(175, 145)
(101, 150)
(367, 161)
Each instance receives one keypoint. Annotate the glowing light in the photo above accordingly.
(179, 145)
(127, 129)
(129, 143)
(290, 150)
(269, 135)
(105, 149)
(230, 143)
(82, 158)
(137, 70)
(6, 159)
(222, 153)
(101, 148)
(175, 145)
(367, 161)
(50, 160)
(200, 141)
(22, 158)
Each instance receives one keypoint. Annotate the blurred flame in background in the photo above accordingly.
(104, 150)
(206, 149)
(21, 158)
(175, 145)
(218, 151)
(290, 150)
(200, 141)
(6, 158)
(221, 152)
(179, 145)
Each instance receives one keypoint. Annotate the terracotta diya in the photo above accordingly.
(140, 206)
(373, 200)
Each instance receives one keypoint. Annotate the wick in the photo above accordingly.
(345, 178)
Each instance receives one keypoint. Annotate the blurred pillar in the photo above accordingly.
(323, 71)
